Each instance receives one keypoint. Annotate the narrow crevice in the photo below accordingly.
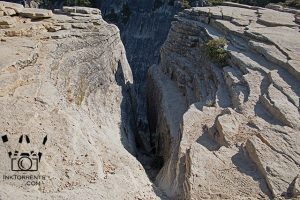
(153, 22)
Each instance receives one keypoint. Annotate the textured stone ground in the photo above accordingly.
(228, 132)
(238, 136)
(66, 76)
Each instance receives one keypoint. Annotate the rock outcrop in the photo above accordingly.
(65, 75)
(228, 132)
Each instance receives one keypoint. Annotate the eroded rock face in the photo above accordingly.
(228, 132)
(67, 77)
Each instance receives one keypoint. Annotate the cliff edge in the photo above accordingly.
(225, 104)
(65, 75)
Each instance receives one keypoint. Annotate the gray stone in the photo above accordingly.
(17, 7)
(82, 10)
(270, 18)
(9, 11)
(82, 25)
(54, 28)
(35, 13)
(66, 26)
(7, 22)
(228, 127)
(61, 34)
(280, 107)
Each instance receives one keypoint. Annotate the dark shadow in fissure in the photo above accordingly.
(261, 112)
(129, 135)
(127, 126)
(207, 142)
(290, 193)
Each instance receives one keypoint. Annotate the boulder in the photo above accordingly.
(281, 107)
(15, 6)
(61, 34)
(52, 27)
(35, 13)
(9, 11)
(7, 21)
(66, 26)
(82, 25)
(82, 10)
(228, 127)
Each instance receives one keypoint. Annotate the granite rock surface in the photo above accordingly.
(66, 76)
(228, 131)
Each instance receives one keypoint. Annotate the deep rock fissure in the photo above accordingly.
(144, 28)
(194, 123)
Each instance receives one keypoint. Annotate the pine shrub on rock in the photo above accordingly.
(214, 48)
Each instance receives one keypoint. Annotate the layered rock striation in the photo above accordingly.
(65, 75)
(228, 130)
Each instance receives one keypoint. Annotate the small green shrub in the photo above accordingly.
(216, 52)
(186, 4)
(210, 103)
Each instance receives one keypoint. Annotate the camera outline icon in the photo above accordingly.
(24, 162)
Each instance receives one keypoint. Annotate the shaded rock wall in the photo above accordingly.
(143, 32)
